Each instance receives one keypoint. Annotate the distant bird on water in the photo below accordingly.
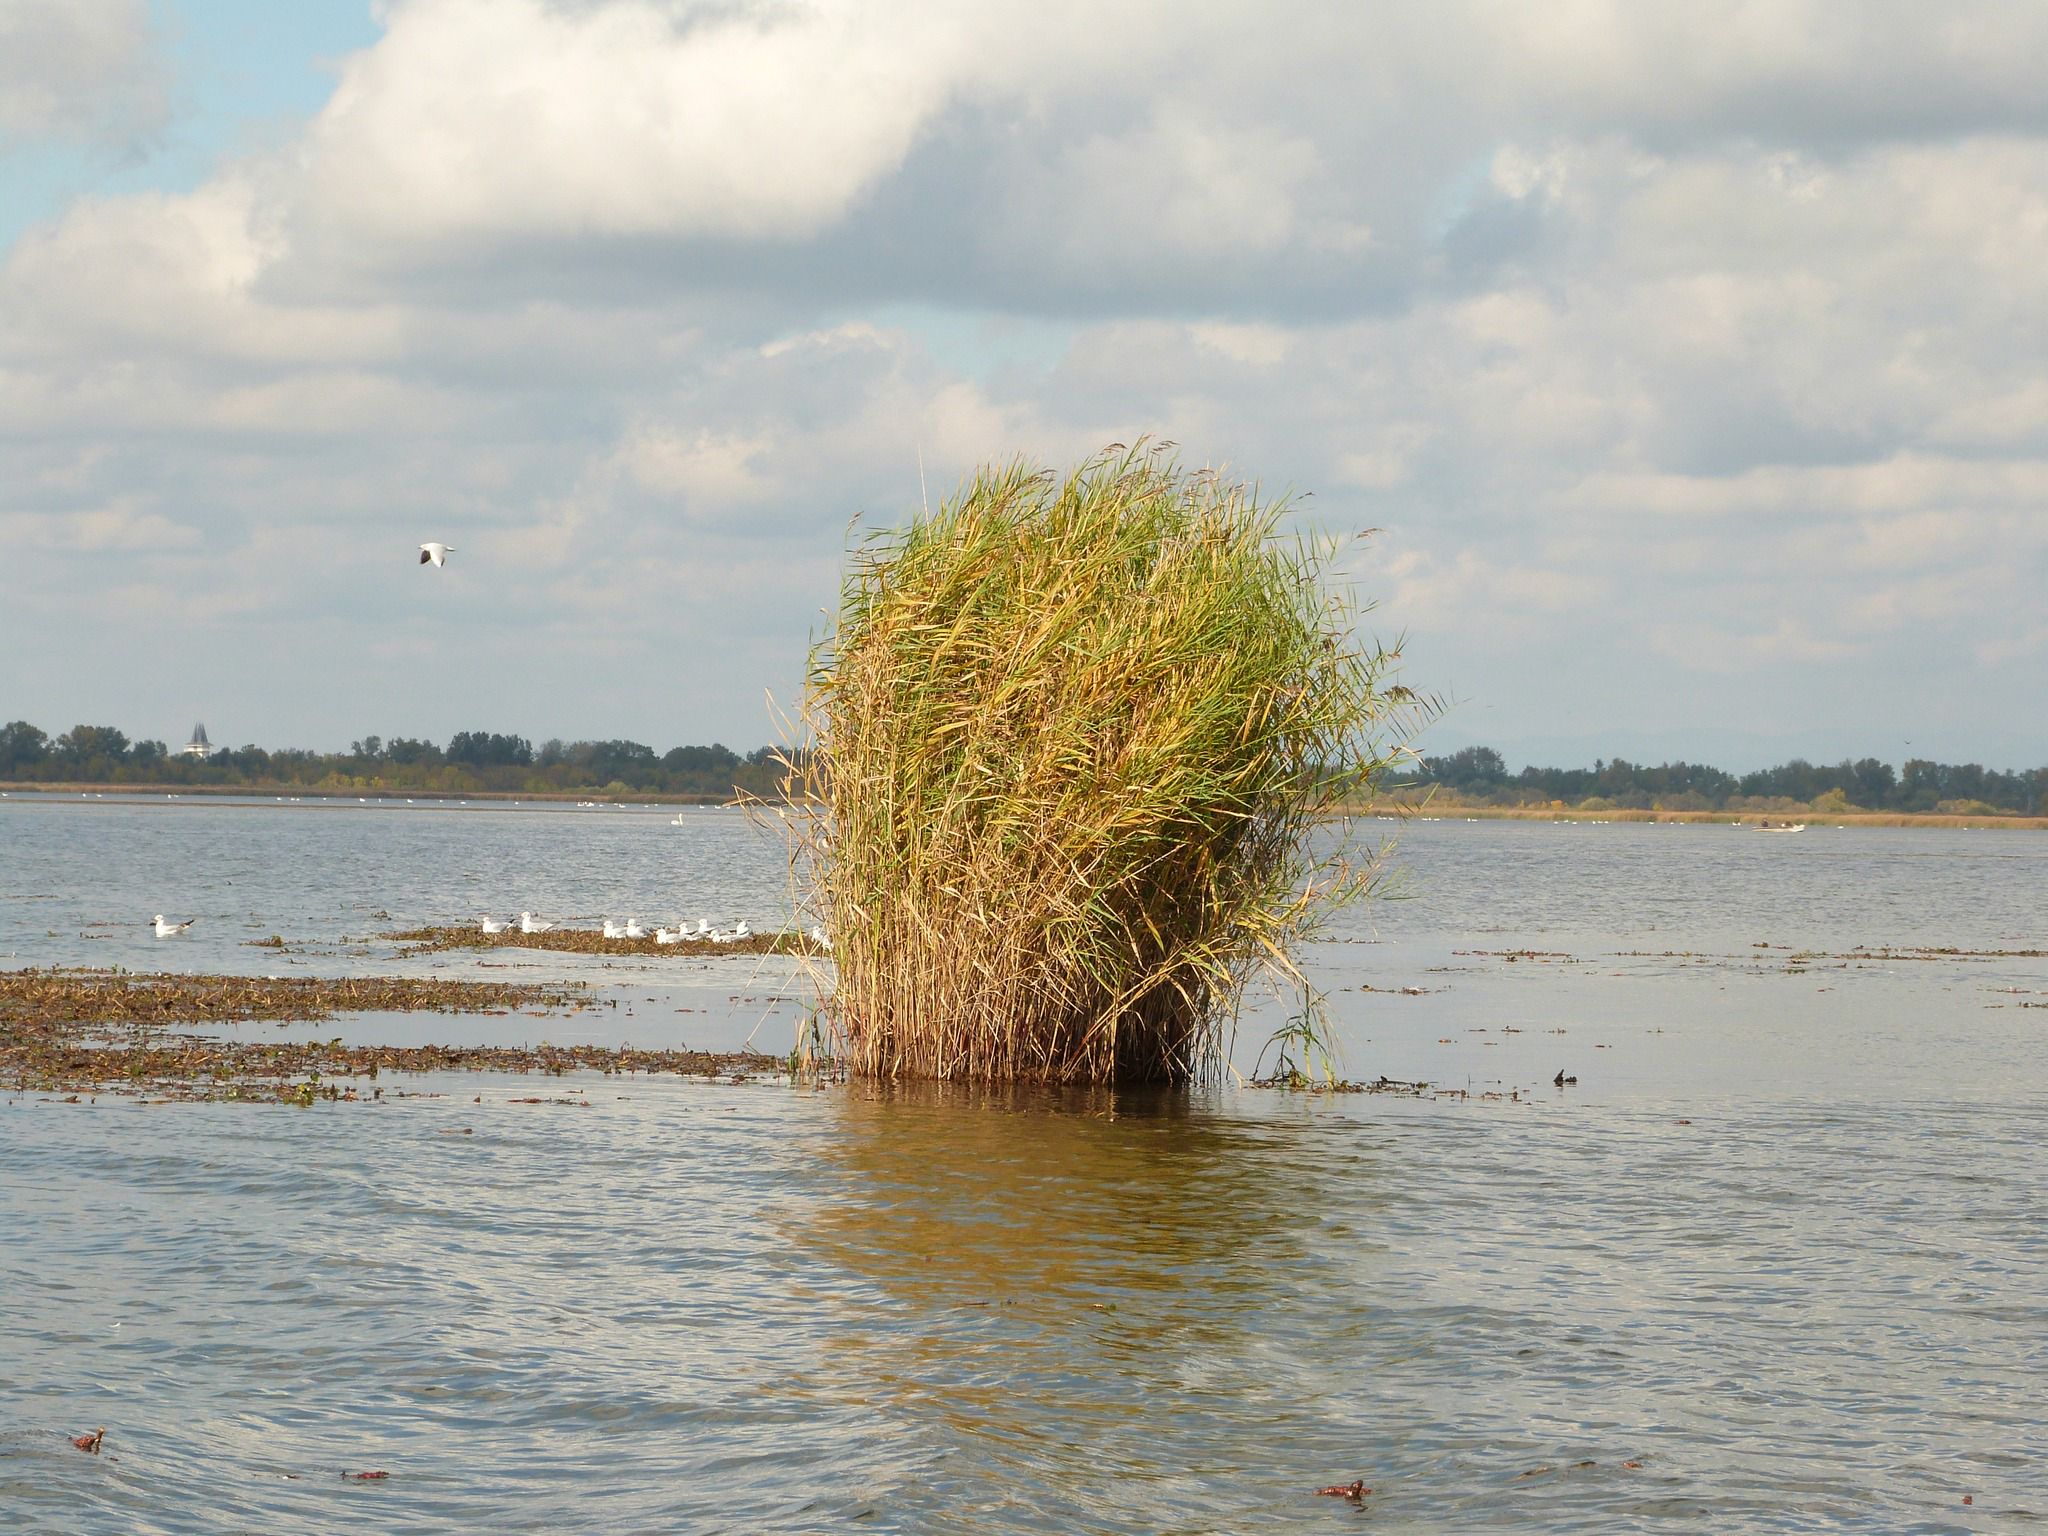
(1562, 1081)
(436, 554)
(166, 930)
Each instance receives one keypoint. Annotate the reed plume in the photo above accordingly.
(1073, 743)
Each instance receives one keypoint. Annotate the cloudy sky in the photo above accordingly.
(1690, 357)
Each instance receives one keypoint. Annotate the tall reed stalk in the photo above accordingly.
(1071, 737)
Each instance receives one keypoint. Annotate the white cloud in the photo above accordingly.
(480, 120)
(1692, 340)
(121, 526)
(84, 71)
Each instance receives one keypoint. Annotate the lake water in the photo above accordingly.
(1784, 1246)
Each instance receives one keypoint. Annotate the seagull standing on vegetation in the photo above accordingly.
(166, 930)
(633, 929)
(528, 924)
(436, 554)
(818, 937)
(492, 925)
(668, 936)
(612, 930)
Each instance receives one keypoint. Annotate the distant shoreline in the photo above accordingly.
(1403, 809)
(351, 796)
(1422, 811)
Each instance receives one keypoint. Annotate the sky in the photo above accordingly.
(1691, 360)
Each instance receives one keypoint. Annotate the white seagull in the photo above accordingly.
(633, 929)
(612, 930)
(528, 924)
(668, 936)
(436, 554)
(166, 930)
(492, 925)
(818, 937)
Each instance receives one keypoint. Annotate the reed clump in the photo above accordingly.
(1073, 741)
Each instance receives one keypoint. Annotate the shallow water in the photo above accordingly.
(1785, 1245)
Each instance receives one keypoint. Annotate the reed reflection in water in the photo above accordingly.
(1082, 1310)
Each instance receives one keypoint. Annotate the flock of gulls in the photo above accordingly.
(682, 933)
(631, 928)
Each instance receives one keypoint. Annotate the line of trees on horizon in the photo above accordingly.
(1479, 776)
(486, 761)
(471, 762)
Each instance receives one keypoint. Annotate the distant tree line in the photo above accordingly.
(472, 761)
(1479, 776)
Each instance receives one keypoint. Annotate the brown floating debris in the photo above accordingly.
(92, 1441)
(364, 1477)
(84, 995)
(66, 1030)
(588, 941)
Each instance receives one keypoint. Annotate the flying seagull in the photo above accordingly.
(436, 553)
(165, 930)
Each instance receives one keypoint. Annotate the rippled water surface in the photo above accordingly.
(1785, 1246)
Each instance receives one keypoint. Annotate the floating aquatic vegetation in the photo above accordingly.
(587, 941)
(79, 1031)
(81, 1059)
(1070, 737)
(78, 995)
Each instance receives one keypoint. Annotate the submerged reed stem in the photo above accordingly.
(1074, 741)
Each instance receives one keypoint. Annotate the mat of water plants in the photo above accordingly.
(86, 1032)
(585, 941)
